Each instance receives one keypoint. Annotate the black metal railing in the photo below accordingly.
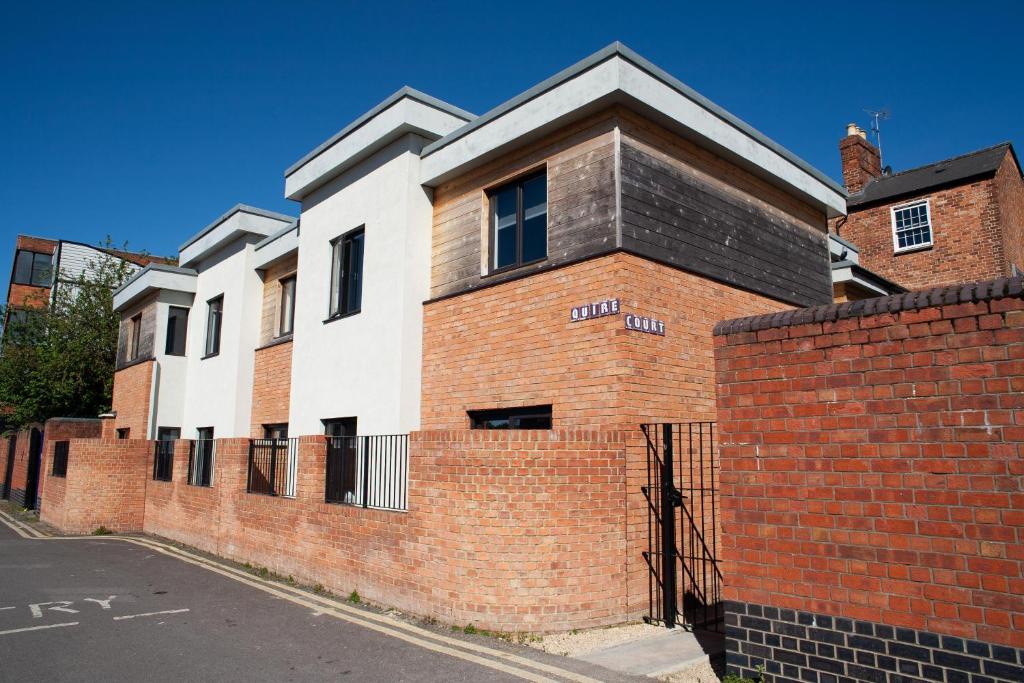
(201, 453)
(684, 581)
(60, 459)
(273, 467)
(163, 460)
(368, 471)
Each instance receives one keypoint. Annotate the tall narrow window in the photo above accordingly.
(911, 226)
(33, 268)
(287, 306)
(347, 273)
(519, 222)
(177, 328)
(135, 330)
(214, 316)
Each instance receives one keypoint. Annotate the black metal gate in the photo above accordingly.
(35, 460)
(684, 584)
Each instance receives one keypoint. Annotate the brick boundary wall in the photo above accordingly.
(872, 458)
(105, 485)
(507, 530)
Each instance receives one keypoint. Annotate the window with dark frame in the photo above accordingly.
(347, 273)
(275, 431)
(200, 458)
(135, 330)
(287, 314)
(519, 222)
(530, 417)
(33, 268)
(123, 432)
(177, 329)
(342, 460)
(214, 317)
(60, 459)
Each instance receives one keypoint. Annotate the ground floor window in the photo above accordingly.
(60, 459)
(200, 458)
(529, 417)
(123, 432)
(275, 431)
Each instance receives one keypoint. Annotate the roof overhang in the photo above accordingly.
(617, 75)
(239, 221)
(407, 111)
(152, 278)
(849, 273)
(273, 248)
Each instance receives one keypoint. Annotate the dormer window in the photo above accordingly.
(911, 226)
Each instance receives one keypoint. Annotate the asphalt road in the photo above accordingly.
(107, 610)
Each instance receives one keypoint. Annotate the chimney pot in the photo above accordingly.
(851, 129)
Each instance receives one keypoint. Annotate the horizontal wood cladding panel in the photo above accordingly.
(580, 164)
(147, 339)
(677, 217)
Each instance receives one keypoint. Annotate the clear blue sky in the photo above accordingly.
(146, 121)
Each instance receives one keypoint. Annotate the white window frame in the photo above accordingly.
(896, 248)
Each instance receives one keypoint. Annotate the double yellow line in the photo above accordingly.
(506, 662)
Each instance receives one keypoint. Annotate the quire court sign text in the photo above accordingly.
(597, 309)
(641, 323)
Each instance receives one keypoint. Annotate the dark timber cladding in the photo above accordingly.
(147, 337)
(580, 163)
(678, 218)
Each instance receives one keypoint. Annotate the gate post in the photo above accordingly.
(668, 530)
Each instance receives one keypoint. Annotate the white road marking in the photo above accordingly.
(3, 608)
(105, 604)
(413, 634)
(151, 614)
(62, 606)
(37, 628)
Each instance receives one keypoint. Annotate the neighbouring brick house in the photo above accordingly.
(955, 220)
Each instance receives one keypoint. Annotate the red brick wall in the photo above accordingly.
(506, 530)
(105, 486)
(132, 392)
(861, 162)
(271, 386)
(872, 465)
(1010, 193)
(968, 242)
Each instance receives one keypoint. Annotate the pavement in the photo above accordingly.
(134, 608)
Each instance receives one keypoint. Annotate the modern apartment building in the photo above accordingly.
(511, 294)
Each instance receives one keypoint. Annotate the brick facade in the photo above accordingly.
(1009, 190)
(272, 369)
(133, 389)
(861, 161)
(271, 386)
(966, 232)
(871, 472)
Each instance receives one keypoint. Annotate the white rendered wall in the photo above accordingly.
(169, 398)
(365, 365)
(218, 390)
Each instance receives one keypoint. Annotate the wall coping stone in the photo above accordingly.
(975, 292)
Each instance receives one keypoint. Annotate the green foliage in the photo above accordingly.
(734, 678)
(102, 531)
(58, 359)
(354, 598)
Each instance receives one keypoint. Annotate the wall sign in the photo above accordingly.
(598, 309)
(640, 323)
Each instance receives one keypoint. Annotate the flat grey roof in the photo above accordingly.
(156, 266)
(621, 50)
(276, 235)
(406, 91)
(233, 210)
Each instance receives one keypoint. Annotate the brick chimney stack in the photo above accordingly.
(861, 160)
